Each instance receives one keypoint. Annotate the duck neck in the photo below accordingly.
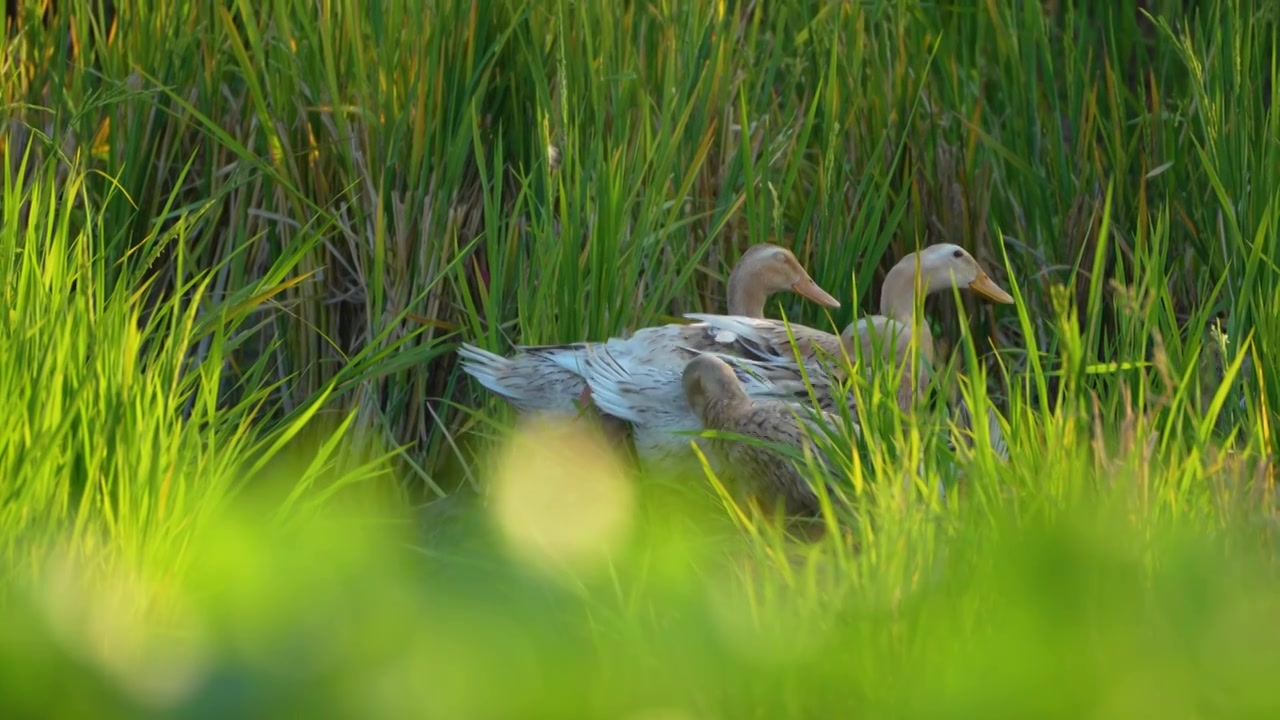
(898, 300)
(745, 296)
(898, 295)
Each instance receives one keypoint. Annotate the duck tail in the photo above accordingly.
(528, 380)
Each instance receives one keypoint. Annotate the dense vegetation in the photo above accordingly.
(242, 242)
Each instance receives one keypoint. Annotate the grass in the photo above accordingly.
(241, 469)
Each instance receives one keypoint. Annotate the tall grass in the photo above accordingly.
(242, 242)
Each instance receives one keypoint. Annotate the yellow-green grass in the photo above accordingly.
(243, 474)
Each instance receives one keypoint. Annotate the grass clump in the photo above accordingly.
(242, 242)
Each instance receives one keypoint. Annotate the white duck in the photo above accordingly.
(889, 334)
(547, 378)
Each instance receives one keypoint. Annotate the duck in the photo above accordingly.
(638, 379)
(548, 378)
(891, 332)
(718, 399)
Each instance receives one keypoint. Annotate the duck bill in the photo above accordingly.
(809, 289)
(987, 288)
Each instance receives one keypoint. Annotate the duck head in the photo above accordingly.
(766, 269)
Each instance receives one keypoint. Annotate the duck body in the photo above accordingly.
(995, 435)
(639, 379)
(549, 378)
(717, 397)
(552, 377)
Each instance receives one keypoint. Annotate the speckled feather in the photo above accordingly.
(532, 381)
(650, 396)
(551, 377)
(548, 378)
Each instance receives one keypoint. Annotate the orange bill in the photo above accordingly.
(809, 289)
(987, 288)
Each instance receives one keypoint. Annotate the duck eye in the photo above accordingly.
(957, 254)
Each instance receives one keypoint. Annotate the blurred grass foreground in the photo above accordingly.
(243, 477)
